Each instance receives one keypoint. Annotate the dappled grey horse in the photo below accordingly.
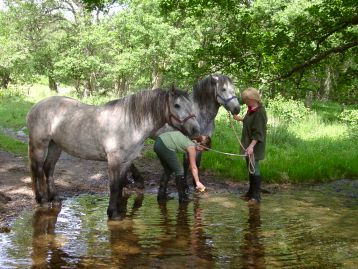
(207, 96)
(114, 132)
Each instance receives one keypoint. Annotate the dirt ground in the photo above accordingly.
(75, 176)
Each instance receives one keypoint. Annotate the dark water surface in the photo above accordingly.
(309, 227)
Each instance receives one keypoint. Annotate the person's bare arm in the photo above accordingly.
(194, 169)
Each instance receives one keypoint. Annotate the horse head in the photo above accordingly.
(225, 93)
(180, 112)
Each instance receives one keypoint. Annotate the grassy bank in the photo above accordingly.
(310, 150)
(303, 145)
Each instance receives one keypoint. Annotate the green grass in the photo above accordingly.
(310, 150)
(12, 145)
(317, 148)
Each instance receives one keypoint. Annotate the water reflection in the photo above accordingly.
(298, 229)
(46, 246)
(252, 250)
(124, 242)
(188, 241)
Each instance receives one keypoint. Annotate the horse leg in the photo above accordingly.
(37, 153)
(118, 177)
(53, 154)
(138, 179)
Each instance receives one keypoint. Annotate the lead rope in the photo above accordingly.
(250, 156)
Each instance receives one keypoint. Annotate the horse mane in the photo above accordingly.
(145, 103)
(204, 90)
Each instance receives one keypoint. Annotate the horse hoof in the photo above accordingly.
(114, 215)
(253, 202)
(41, 200)
(162, 198)
(184, 199)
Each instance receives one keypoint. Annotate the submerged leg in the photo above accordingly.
(117, 171)
(138, 179)
(53, 154)
(163, 183)
(254, 193)
(37, 153)
(183, 189)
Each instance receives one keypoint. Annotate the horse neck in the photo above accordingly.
(205, 108)
(156, 118)
(145, 111)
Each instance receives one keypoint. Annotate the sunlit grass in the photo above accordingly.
(12, 145)
(309, 150)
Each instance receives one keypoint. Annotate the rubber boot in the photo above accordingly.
(162, 191)
(255, 197)
(183, 189)
(248, 194)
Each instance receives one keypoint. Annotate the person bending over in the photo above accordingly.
(166, 146)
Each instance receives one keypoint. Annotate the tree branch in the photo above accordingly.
(316, 59)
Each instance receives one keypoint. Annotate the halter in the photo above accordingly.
(222, 98)
(226, 100)
(171, 115)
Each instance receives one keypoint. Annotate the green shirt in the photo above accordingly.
(254, 128)
(176, 141)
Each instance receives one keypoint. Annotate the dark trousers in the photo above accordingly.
(168, 158)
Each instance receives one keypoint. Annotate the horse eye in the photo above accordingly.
(223, 89)
(177, 106)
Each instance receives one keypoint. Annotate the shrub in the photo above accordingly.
(287, 110)
(349, 116)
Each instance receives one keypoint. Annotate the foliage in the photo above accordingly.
(349, 116)
(288, 110)
(288, 47)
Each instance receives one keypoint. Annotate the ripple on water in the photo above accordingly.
(304, 228)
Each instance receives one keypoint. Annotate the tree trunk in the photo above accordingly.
(327, 85)
(120, 86)
(157, 79)
(5, 79)
(308, 99)
(52, 84)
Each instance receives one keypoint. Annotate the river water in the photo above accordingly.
(304, 227)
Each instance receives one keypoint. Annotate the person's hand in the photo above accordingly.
(200, 187)
(249, 150)
(237, 117)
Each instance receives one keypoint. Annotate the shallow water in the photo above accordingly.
(310, 227)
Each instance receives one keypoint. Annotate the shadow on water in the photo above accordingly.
(307, 228)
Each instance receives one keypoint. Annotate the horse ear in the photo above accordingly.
(215, 77)
(172, 89)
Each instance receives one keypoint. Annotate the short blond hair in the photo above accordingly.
(251, 93)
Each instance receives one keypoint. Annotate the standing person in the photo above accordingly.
(166, 146)
(253, 140)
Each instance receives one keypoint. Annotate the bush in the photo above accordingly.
(349, 116)
(287, 110)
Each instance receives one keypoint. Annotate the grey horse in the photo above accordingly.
(207, 96)
(114, 132)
